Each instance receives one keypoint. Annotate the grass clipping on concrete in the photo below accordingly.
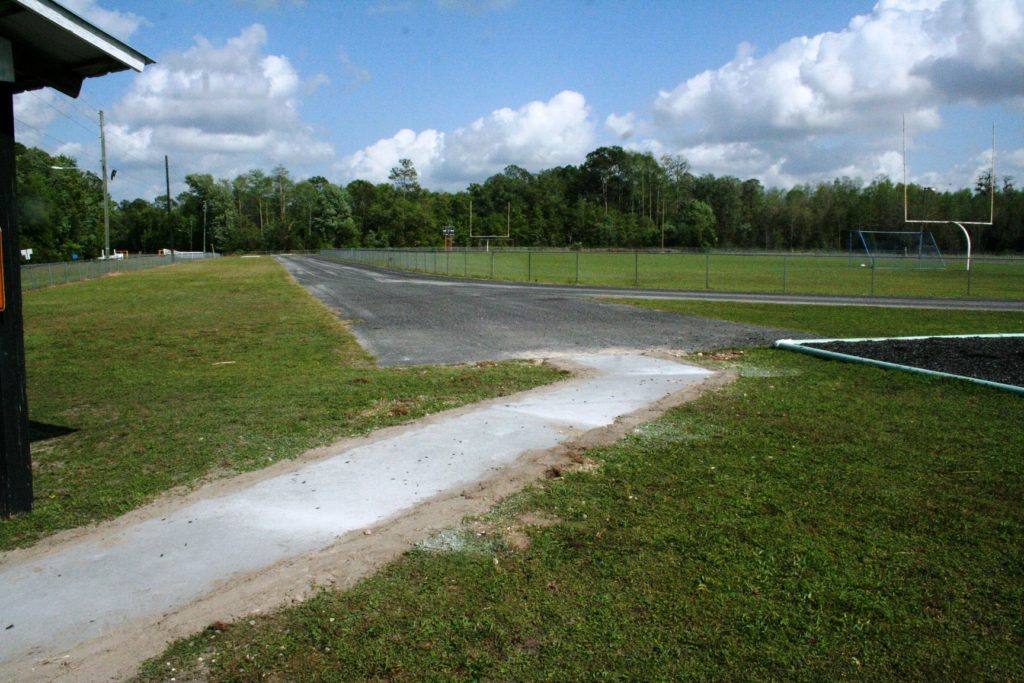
(812, 521)
(159, 379)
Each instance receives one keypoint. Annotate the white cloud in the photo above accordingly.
(911, 56)
(218, 109)
(373, 163)
(537, 135)
(33, 112)
(623, 126)
(121, 25)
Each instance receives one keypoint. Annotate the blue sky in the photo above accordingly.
(783, 91)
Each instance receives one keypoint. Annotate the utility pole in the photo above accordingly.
(106, 194)
(204, 229)
(170, 226)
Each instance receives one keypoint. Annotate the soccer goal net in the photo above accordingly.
(895, 249)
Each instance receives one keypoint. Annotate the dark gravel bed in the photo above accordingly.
(996, 359)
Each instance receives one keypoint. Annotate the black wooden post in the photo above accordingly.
(15, 457)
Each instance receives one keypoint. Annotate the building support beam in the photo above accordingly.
(15, 456)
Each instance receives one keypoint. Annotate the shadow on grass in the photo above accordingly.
(40, 431)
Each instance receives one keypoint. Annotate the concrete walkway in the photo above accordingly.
(79, 591)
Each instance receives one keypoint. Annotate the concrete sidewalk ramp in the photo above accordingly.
(55, 600)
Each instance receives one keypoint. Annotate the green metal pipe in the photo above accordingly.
(799, 346)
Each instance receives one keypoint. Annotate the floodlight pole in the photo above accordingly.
(106, 193)
(170, 225)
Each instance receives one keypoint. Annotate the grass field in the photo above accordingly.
(812, 521)
(718, 271)
(158, 379)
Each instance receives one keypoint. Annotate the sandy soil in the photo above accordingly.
(117, 654)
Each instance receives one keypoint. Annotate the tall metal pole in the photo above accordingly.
(170, 226)
(204, 229)
(905, 213)
(106, 194)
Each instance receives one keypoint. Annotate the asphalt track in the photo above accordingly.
(409, 318)
(405, 319)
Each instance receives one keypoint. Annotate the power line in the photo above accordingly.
(59, 141)
(63, 113)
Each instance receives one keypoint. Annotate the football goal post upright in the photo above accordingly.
(487, 239)
(958, 223)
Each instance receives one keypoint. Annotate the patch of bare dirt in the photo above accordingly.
(117, 654)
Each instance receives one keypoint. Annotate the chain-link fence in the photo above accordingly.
(36, 275)
(988, 277)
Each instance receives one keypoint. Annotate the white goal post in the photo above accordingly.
(959, 224)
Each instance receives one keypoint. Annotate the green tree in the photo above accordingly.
(697, 225)
(404, 177)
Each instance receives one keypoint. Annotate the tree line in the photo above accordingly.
(616, 198)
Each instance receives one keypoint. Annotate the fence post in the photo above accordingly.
(492, 265)
(707, 269)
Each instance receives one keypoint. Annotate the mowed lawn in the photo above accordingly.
(143, 382)
(774, 273)
(812, 521)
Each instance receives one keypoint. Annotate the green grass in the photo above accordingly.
(812, 521)
(989, 278)
(173, 375)
(845, 321)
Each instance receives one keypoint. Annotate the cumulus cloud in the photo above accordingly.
(219, 109)
(121, 25)
(424, 149)
(623, 126)
(536, 135)
(906, 56)
(33, 112)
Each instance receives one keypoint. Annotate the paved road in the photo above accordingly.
(404, 318)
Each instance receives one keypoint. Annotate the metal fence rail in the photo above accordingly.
(37, 275)
(989, 277)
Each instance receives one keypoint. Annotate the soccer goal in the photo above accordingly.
(895, 249)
